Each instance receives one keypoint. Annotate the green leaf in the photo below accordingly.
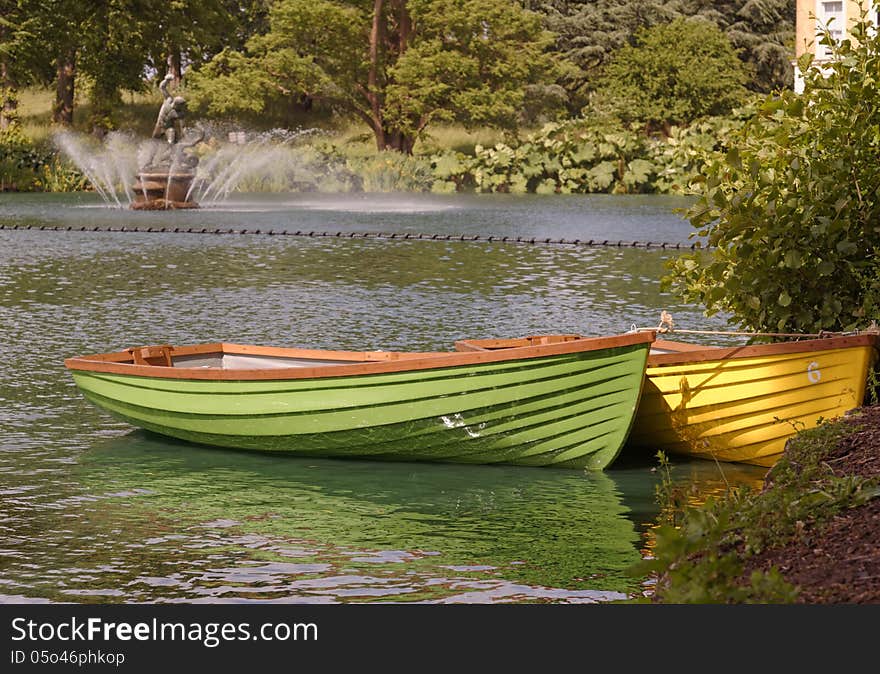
(825, 268)
(847, 247)
(793, 259)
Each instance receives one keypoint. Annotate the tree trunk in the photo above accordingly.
(376, 37)
(404, 26)
(62, 112)
(393, 32)
(8, 96)
(397, 140)
(174, 66)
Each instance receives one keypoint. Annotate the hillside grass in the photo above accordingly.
(138, 115)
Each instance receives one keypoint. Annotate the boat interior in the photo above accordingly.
(225, 356)
(222, 356)
(244, 357)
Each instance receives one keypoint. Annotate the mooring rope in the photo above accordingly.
(405, 236)
(667, 327)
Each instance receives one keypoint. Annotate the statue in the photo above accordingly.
(169, 125)
(171, 114)
(167, 170)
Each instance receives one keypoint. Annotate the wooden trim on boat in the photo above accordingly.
(680, 347)
(531, 340)
(468, 345)
(362, 362)
(691, 353)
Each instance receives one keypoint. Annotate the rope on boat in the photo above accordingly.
(667, 327)
(406, 236)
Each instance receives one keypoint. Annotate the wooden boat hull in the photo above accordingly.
(743, 404)
(558, 404)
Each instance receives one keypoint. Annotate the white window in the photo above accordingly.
(831, 15)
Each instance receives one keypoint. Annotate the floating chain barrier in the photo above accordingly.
(406, 236)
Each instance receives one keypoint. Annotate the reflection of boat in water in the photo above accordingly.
(416, 531)
(549, 400)
(548, 528)
(744, 403)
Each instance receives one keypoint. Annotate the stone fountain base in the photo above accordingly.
(162, 191)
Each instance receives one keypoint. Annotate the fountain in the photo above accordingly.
(165, 177)
(163, 172)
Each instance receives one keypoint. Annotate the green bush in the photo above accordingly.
(791, 208)
(587, 156)
(392, 172)
(26, 166)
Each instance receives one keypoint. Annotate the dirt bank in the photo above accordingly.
(838, 561)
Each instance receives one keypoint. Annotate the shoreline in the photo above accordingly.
(807, 537)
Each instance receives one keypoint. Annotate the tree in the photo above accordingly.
(19, 59)
(674, 74)
(8, 81)
(189, 32)
(59, 36)
(762, 31)
(113, 54)
(397, 65)
(792, 208)
(588, 32)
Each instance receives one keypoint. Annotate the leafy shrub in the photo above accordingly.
(587, 156)
(792, 205)
(30, 167)
(392, 172)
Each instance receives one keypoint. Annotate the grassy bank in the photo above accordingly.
(793, 541)
(138, 115)
(577, 156)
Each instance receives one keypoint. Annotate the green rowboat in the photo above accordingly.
(547, 400)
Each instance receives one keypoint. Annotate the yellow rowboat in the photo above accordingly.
(743, 403)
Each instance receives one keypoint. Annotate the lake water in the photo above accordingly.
(92, 510)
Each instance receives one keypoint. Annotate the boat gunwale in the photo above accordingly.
(362, 362)
(688, 355)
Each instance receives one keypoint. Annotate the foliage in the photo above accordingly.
(762, 32)
(702, 559)
(195, 30)
(586, 155)
(577, 156)
(26, 166)
(110, 44)
(674, 74)
(392, 172)
(398, 65)
(792, 207)
(588, 32)
(18, 58)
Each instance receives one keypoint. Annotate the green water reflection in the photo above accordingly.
(408, 531)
